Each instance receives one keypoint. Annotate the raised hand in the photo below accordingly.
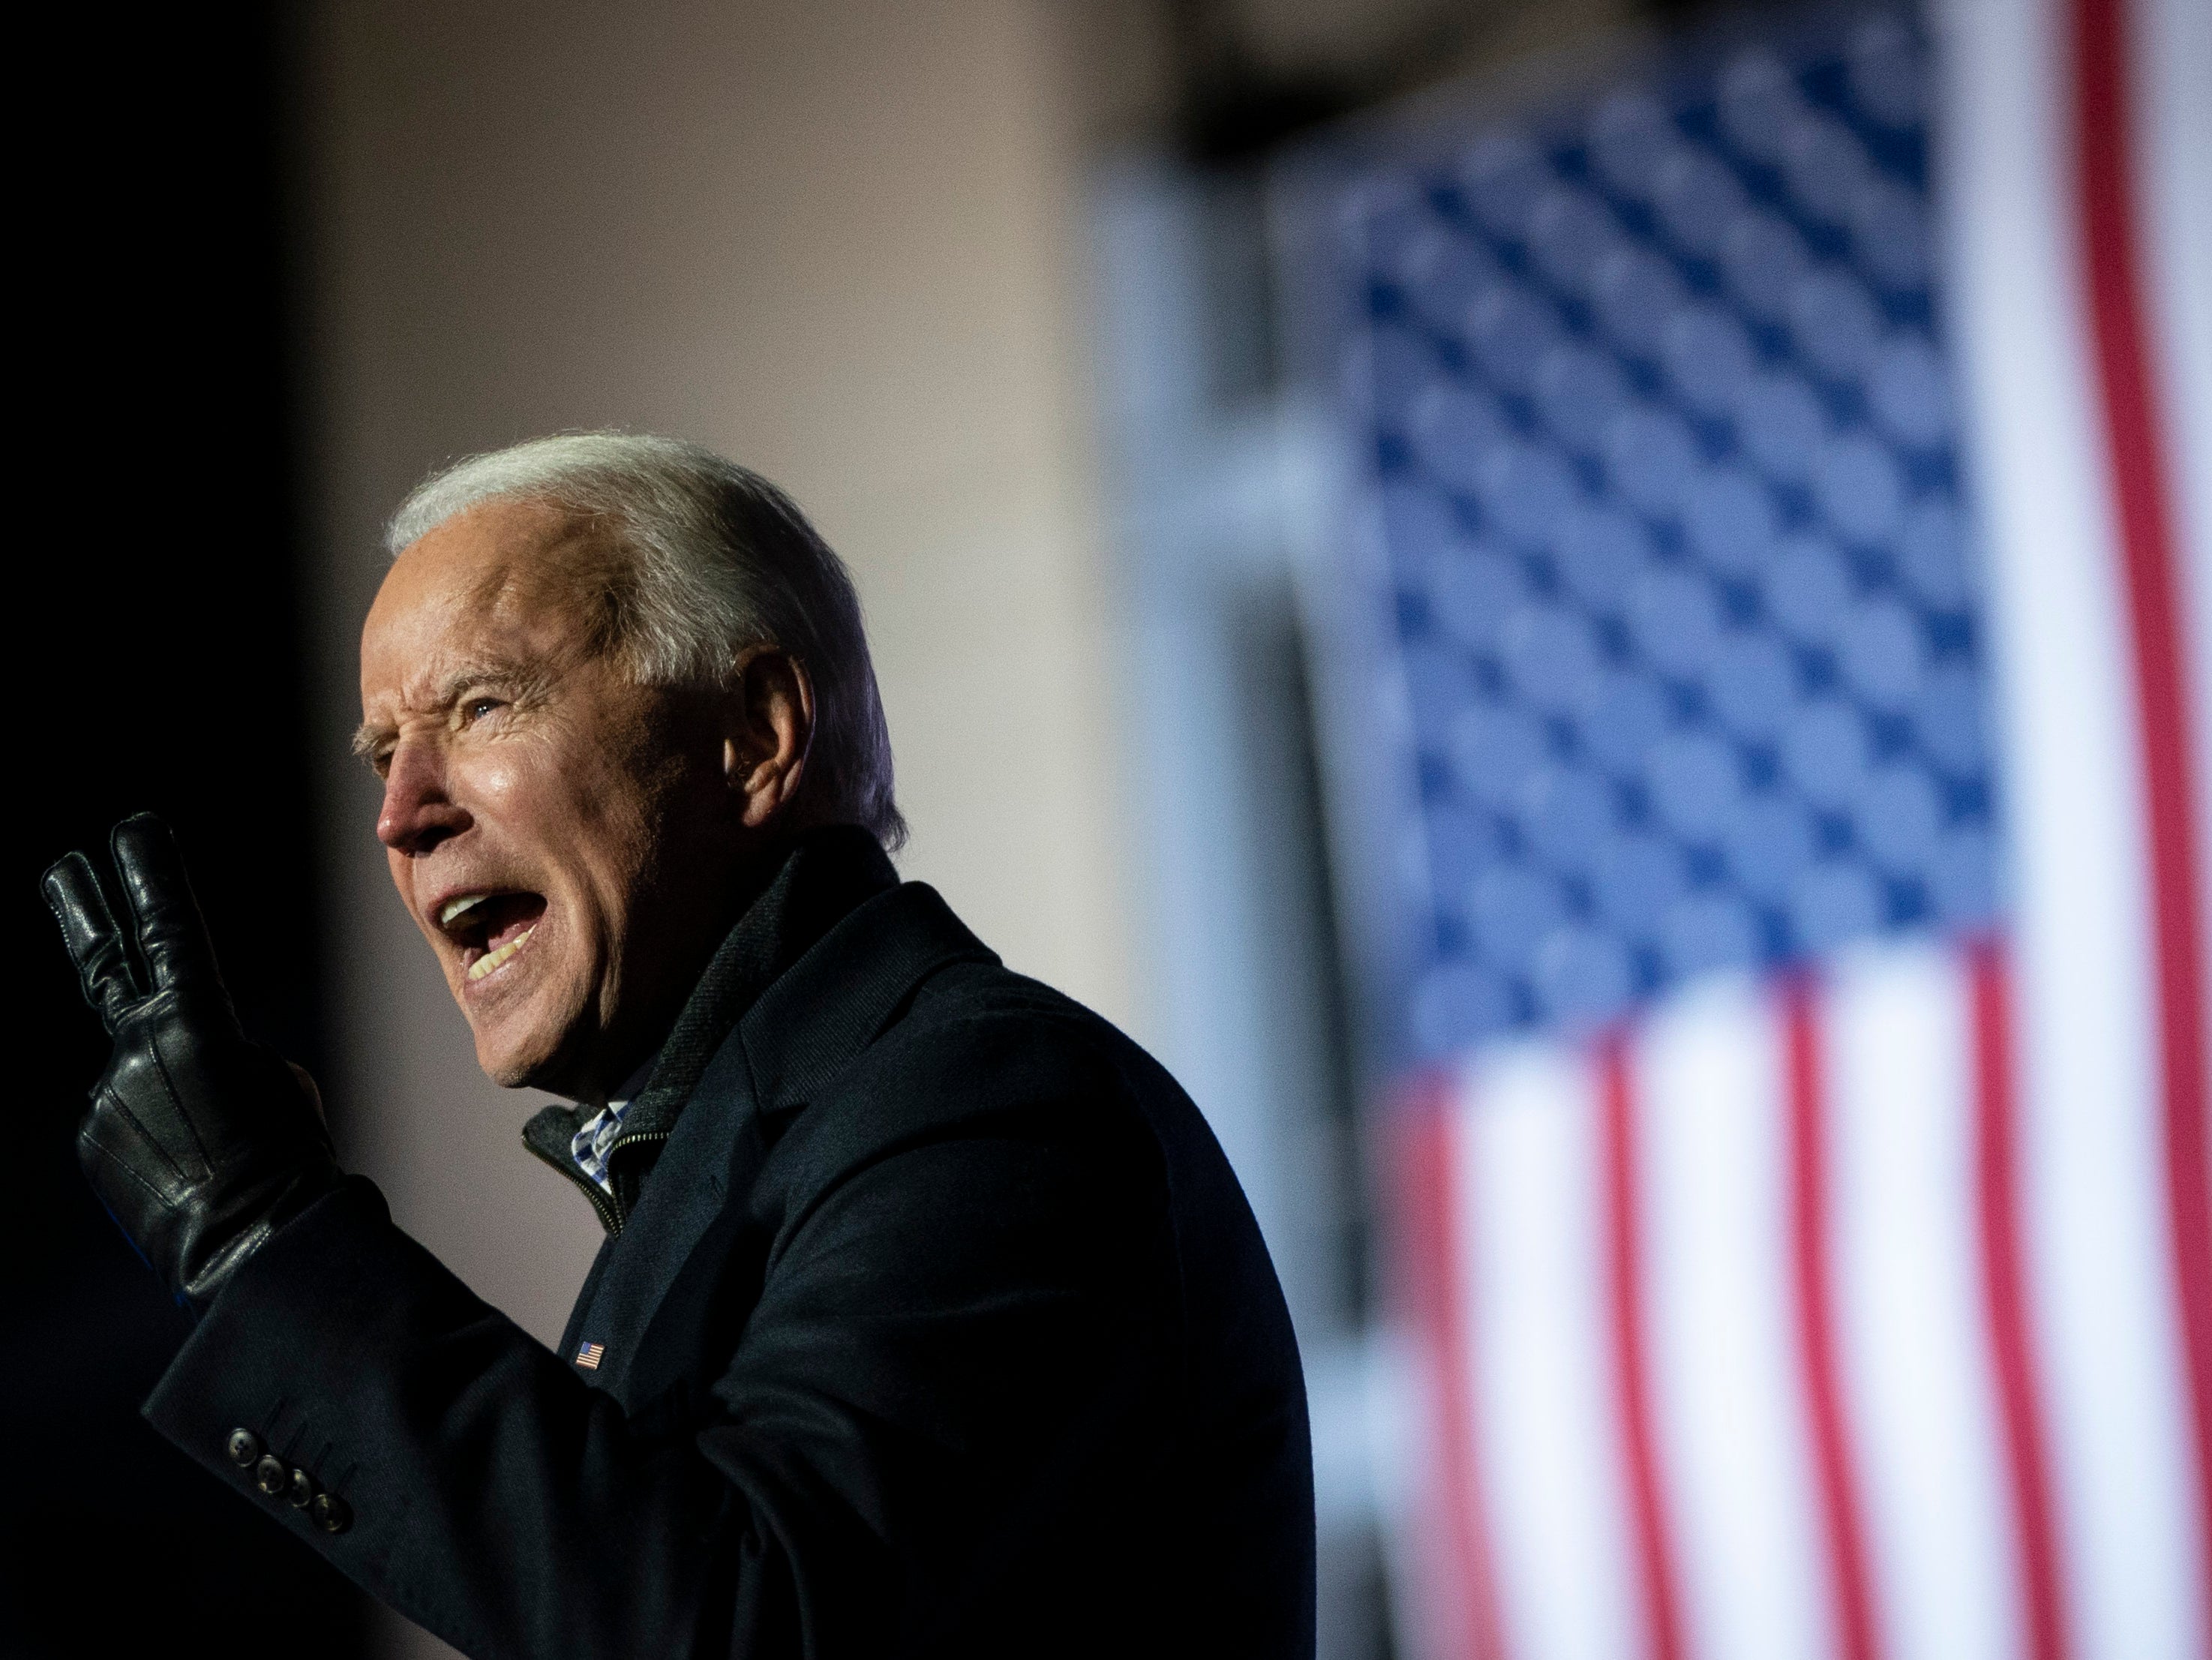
(200, 1144)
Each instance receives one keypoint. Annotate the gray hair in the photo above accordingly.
(718, 559)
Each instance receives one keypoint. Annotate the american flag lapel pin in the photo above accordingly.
(588, 1356)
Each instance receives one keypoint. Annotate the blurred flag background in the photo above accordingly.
(1770, 712)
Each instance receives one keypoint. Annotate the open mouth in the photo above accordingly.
(489, 928)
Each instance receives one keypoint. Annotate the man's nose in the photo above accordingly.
(418, 811)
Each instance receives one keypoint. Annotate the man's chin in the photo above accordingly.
(526, 1060)
(510, 1075)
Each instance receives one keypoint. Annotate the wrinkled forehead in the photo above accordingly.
(504, 580)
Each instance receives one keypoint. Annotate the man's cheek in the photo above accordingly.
(503, 785)
(403, 884)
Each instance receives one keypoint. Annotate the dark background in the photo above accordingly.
(162, 669)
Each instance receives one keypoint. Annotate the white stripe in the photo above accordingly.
(1911, 1318)
(2093, 1187)
(1533, 1224)
(1727, 1395)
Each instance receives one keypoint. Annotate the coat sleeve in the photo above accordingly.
(949, 1355)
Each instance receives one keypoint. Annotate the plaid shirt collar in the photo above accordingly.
(595, 1139)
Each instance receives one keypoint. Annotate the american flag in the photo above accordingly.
(589, 1355)
(1779, 725)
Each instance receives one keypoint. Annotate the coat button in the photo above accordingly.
(244, 1447)
(301, 1493)
(270, 1475)
(331, 1513)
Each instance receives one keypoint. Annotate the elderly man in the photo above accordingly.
(930, 1318)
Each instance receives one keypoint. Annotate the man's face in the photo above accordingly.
(562, 836)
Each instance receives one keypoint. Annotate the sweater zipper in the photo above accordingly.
(616, 1146)
(610, 1214)
(610, 1218)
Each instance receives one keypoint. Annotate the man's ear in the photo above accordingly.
(768, 729)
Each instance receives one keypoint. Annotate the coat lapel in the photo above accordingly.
(669, 1291)
(681, 1244)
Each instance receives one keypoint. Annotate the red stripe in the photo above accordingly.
(2147, 547)
(1428, 1270)
(2011, 1343)
(1624, 1211)
(1857, 1633)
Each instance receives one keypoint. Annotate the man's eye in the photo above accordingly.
(480, 706)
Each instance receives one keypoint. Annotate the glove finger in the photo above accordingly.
(94, 943)
(173, 937)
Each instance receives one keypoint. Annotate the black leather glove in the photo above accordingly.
(200, 1144)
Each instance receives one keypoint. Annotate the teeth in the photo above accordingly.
(492, 959)
(455, 907)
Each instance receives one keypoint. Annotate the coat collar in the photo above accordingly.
(825, 874)
(776, 1016)
(828, 873)
(836, 999)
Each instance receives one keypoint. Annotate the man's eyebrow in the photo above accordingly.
(366, 736)
(524, 680)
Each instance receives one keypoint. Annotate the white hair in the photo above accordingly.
(717, 559)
